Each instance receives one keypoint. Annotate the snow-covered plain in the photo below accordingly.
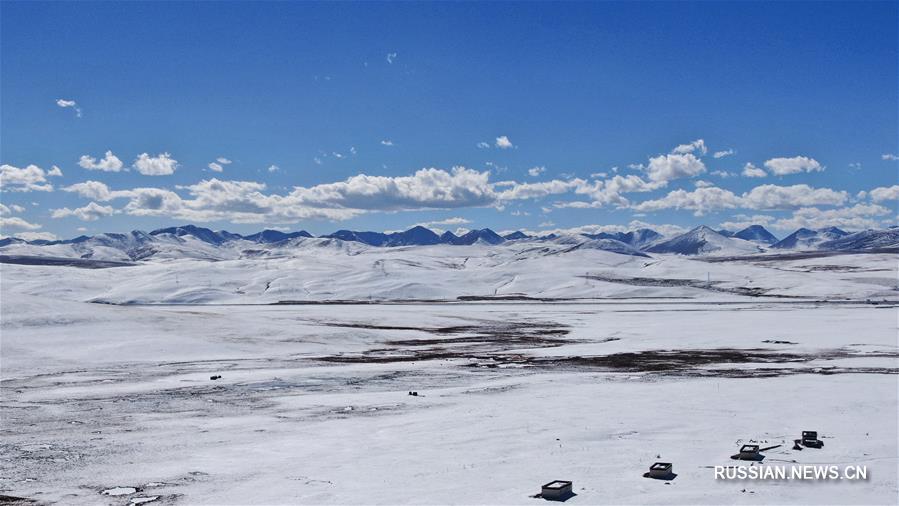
(663, 358)
(315, 270)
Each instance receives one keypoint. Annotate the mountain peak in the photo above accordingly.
(514, 236)
(484, 235)
(203, 234)
(805, 238)
(415, 236)
(704, 229)
(756, 233)
(269, 236)
(701, 240)
(833, 231)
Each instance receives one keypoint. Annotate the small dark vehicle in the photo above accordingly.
(661, 471)
(558, 490)
(748, 452)
(810, 439)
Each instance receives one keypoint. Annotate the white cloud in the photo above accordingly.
(697, 145)
(446, 222)
(69, 104)
(574, 204)
(722, 174)
(483, 145)
(536, 171)
(884, 193)
(274, 168)
(13, 208)
(700, 201)
(90, 212)
(499, 169)
(794, 165)
(28, 235)
(518, 191)
(54, 172)
(36, 236)
(161, 202)
(701, 183)
(218, 164)
(109, 163)
(30, 178)
(95, 190)
(248, 202)
(452, 221)
(722, 154)
(244, 201)
(503, 142)
(765, 197)
(391, 57)
(427, 188)
(857, 217)
(750, 170)
(740, 221)
(160, 165)
(664, 168)
(771, 196)
(16, 222)
(387, 142)
(610, 191)
(889, 156)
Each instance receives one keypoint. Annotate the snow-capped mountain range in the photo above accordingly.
(190, 241)
(805, 238)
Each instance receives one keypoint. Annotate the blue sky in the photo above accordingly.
(370, 116)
